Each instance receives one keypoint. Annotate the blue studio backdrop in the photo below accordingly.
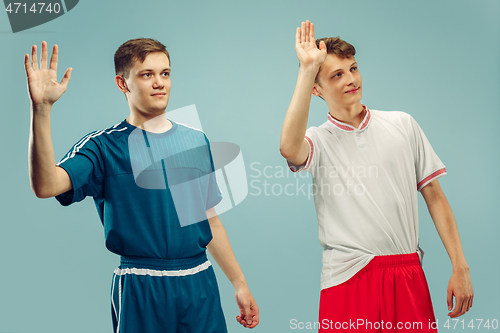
(235, 61)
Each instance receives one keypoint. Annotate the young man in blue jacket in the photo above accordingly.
(137, 171)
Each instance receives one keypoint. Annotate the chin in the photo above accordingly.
(160, 106)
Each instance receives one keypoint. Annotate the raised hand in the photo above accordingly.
(43, 88)
(305, 46)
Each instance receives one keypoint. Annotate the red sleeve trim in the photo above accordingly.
(311, 151)
(429, 178)
(305, 166)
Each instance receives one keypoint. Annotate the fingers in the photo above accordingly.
(242, 321)
(308, 26)
(255, 316)
(303, 32)
(322, 46)
(66, 78)
(449, 300)
(27, 65)
(54, 57)
(467, 303)
(34, 58)
(43, 56)
(471, 299)
(248, 315)
(460, 307)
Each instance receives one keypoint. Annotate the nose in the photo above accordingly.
(158, 82)
(352, 79)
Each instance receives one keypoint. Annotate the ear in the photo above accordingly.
(121, 84)
(316, 90)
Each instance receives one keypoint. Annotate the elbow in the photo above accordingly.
(288, 152)
(41, 192)
(290, 147)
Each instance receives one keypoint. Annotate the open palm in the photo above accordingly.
(43, 87)
(305, 46)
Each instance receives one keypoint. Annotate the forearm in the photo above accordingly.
(446, 226)
(295, 123)
(221, 251)
(42, 169)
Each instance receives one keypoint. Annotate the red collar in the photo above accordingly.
(347, 127)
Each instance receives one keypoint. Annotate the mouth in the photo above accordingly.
(159, 95)
(352, 91)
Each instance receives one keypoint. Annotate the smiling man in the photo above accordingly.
(164, 282)
(372, 278)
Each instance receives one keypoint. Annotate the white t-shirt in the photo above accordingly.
(365, 181)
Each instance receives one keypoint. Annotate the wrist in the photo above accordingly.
(461, 268)
(309, 69)
(239, 284)
(41, 109)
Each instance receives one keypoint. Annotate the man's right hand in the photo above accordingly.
(43, 88)
(293, 146)
(305, 46)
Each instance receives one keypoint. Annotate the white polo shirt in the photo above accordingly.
(365, 183)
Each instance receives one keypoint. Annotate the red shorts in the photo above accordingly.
(388, 294)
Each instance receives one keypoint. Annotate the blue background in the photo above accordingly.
(437, 60)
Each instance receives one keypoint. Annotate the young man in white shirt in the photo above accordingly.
(367, 168)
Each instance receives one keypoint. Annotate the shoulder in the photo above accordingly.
(106, 133)
(95, 140)
(393, 116)
(397, 119)
(190, 131)
(320, 130)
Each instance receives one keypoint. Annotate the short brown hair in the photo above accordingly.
(336, 46)
(136, 49)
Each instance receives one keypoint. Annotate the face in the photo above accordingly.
(339, 82)
(148, 84)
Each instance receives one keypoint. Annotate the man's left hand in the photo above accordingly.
(460, 287)
(249, 311)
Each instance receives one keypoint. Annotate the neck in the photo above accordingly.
(352, 115)
(156, 123)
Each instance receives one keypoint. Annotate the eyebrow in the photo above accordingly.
(340, 69)
(151, 70)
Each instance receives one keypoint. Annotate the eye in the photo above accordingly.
(146, 74)
(166, 74)
(354, 68)
(337, 75)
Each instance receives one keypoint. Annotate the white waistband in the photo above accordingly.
(153, 272)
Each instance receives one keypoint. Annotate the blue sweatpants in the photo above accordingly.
(157, 295)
